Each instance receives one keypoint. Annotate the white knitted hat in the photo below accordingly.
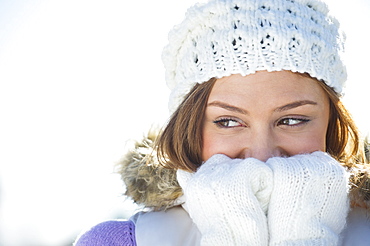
(224, 37)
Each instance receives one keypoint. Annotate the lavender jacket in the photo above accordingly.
(175, 228)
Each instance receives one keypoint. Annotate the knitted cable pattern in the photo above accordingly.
(227, 200)
(112, 233)
(224, 37)
(309, 202)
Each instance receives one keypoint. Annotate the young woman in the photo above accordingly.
(259, 149)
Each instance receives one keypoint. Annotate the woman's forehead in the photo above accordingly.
(267, 87)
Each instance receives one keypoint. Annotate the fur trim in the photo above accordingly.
(147, 182)
(360, 187)
(360, 181)
(150, 184)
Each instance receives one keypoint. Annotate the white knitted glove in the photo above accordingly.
(309, 203)
(227, 200)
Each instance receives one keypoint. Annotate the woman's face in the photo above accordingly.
(264, 115)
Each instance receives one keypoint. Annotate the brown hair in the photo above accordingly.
(179, 146)
(342, 138)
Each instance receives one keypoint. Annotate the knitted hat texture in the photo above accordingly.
(225, 37)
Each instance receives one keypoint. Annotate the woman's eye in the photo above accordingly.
(227, 123)
(292, 121)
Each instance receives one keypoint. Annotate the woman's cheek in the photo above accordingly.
(214, 144)
(305, 145)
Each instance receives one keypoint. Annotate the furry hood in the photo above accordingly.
(147, 182)
(155, 187)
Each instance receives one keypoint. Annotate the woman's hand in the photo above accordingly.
(227, 199)
(309, 202)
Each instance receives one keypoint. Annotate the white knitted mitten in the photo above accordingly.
(309, 202)
(227, 200)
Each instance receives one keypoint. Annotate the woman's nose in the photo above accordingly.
(262, 147)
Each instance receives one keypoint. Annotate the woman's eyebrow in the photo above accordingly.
(228, 107)
(295, 105)
(279, 109)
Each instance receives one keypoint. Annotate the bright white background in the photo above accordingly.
(78, 80)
